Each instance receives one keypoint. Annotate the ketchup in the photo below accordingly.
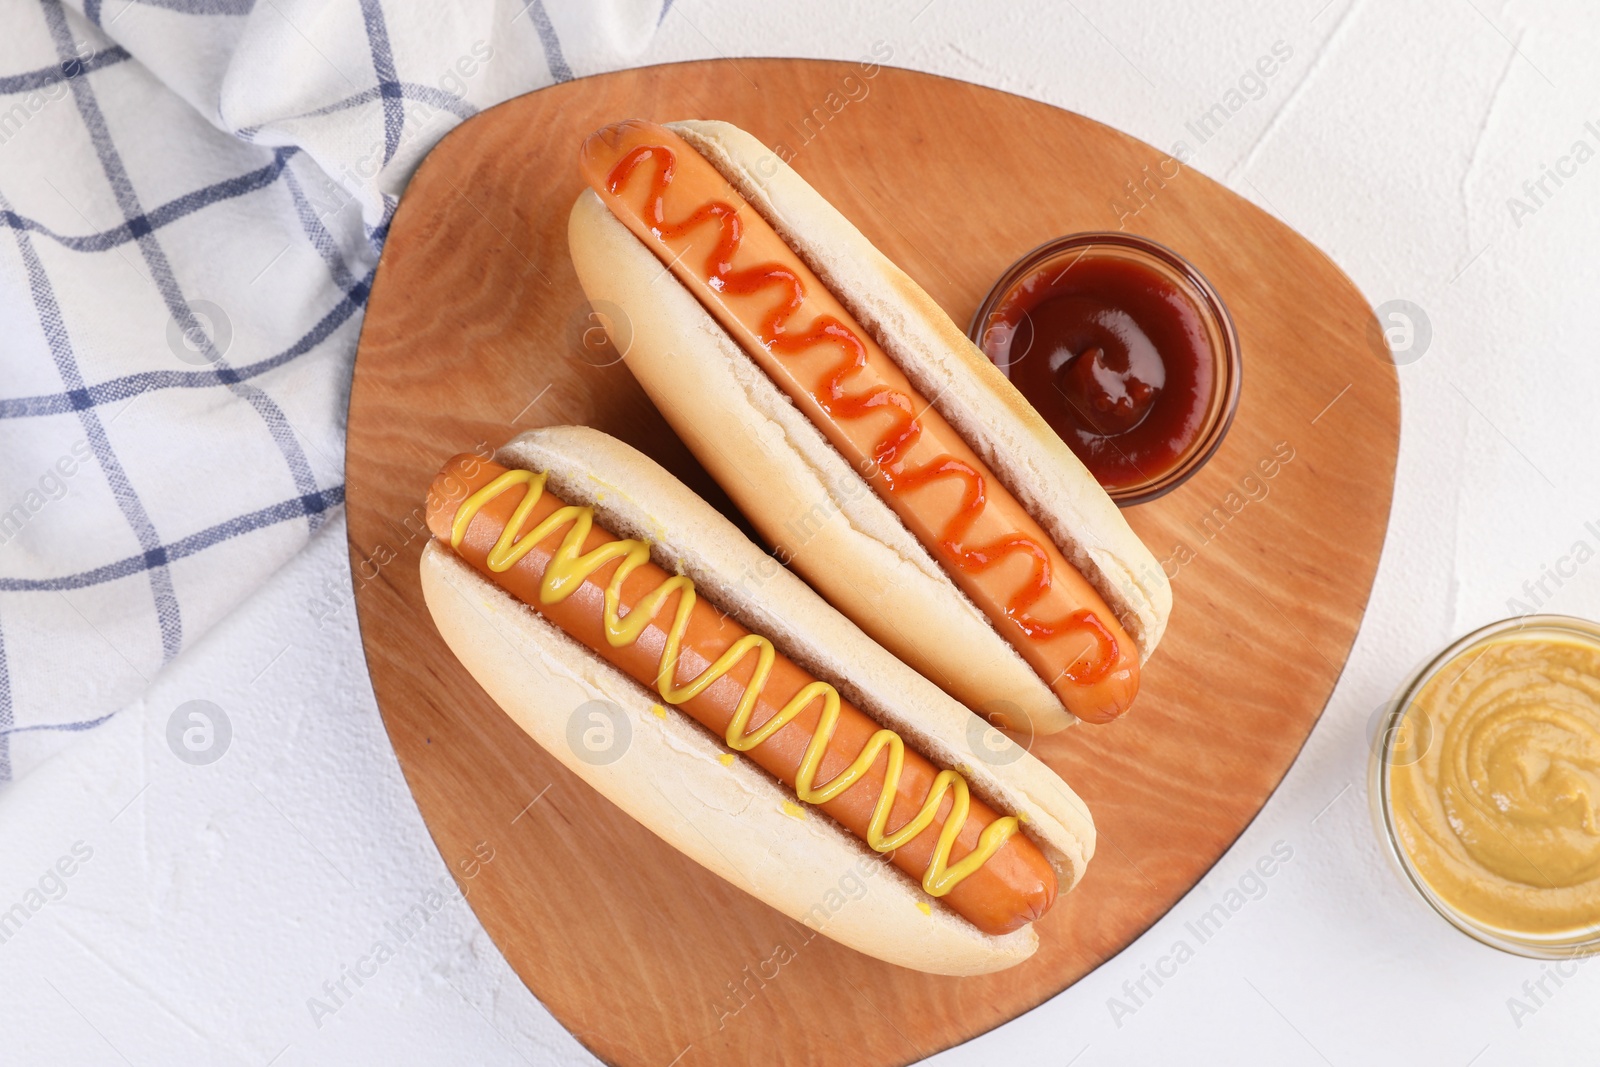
(1114, 354)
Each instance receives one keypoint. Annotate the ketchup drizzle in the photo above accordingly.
(905, 431)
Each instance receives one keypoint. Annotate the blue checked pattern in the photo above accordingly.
(195, 201)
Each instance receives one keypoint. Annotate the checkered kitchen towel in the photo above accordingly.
(196, 193)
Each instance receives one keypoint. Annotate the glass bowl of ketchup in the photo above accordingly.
(1124, 349)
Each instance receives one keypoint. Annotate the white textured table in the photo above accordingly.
(229, 913)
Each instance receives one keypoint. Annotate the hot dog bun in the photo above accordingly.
(733, 819)
(804, 497)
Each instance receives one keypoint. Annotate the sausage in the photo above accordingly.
(786, 319)
(1013, 887)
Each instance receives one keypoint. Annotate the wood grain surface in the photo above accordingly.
(476, 331)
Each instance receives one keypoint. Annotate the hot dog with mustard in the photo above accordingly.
(525, 561)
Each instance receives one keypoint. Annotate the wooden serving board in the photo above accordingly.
(475, 331)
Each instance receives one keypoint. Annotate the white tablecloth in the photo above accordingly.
(212, 907)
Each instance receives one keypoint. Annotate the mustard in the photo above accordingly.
(1500, 815)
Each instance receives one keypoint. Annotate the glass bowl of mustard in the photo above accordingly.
(1484, 782)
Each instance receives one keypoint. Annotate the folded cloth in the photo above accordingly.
(196, 194)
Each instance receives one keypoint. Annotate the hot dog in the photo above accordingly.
(532, 530)
(950, 550)
(1012, 885)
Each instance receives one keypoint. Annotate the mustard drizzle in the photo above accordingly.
(569, 568)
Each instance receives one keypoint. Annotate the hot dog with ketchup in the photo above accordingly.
(751, 758)
(798, 363)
